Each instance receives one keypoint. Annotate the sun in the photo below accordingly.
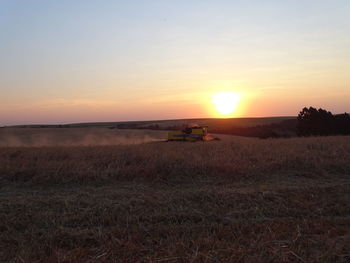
(226, 102)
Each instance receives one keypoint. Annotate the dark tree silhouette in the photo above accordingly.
(342, 124)
(321, 122)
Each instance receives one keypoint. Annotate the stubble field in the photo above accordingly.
(100, 195)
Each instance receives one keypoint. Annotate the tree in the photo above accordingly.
(321, 122)
(342, 124)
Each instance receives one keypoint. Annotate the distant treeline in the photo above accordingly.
(312, 121)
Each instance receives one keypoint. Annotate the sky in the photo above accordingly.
(90, 61)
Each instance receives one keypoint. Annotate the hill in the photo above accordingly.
(263, 127)
(242, 122)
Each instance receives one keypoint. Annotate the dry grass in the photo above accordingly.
(234, 200)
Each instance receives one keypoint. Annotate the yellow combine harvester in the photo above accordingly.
(191, 134)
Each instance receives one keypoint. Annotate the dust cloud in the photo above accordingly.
(38, 137)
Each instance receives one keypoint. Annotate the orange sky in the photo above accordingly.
(87, 62)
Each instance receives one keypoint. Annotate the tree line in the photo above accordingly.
(312, 121)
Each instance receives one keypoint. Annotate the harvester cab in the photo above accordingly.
(192, 134)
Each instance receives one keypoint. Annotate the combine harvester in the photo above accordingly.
(191, 134)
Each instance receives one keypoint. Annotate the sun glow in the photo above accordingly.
(226, 102)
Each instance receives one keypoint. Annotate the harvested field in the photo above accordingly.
(234, 200)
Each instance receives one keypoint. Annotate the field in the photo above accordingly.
(109, 195)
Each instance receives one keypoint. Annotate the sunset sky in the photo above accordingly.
(89, 61)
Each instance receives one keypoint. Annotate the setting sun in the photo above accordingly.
(226, 102)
